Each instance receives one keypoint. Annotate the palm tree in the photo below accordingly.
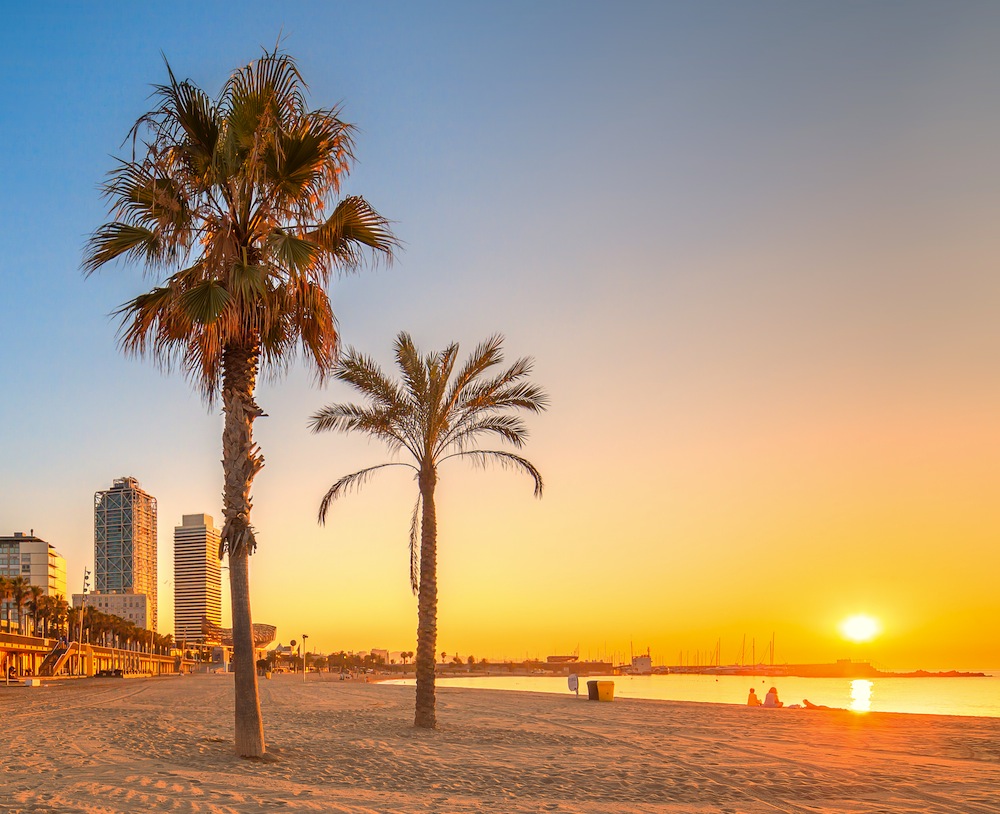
(60, 613)
(42, 611)
(433, 415)
(35, 592)
(5, 596)
(19, 592)
(232, 202)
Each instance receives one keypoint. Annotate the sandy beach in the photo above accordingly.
(148, 745)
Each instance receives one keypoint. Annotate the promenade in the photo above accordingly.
(35, 656)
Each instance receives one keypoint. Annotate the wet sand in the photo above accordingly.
(150, 745)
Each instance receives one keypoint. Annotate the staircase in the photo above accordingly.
(54, 661)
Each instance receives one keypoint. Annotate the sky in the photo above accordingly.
(751, 247)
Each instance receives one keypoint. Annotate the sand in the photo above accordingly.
(151, 745)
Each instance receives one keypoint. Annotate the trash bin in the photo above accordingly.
(605, 690)
(592, 691)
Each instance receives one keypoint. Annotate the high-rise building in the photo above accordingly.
(125, 542)
(38, 562)
(197, 577)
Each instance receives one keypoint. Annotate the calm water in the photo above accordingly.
(933, 696)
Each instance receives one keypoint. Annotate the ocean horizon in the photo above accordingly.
(965, 696)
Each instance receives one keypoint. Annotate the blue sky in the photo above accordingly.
(751, 246)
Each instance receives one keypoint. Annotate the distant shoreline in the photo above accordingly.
(839, 669)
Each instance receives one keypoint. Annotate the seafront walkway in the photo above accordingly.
(33, 656)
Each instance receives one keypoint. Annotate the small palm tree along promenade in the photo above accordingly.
(233, 198)
(434, 414)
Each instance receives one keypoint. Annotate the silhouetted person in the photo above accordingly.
(771, 699)
(752, 699)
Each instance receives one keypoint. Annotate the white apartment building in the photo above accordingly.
(36, 561)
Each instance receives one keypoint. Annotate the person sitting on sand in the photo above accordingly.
(752, 699)
(771, 699)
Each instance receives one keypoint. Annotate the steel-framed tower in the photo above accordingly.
(125, 541)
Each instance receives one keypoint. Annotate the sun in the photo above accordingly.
(860, 628)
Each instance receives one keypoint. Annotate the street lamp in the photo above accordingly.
(304, 637)
(83, 613)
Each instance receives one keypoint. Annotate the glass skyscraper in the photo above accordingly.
(125, 541)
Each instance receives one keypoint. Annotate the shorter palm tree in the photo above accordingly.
(434, 414)
(5, 597)
(20, 590)
(60, 614)
(35, 593)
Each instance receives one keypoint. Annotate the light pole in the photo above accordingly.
(83, 612)
(304, 637)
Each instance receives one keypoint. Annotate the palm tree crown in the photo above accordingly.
(233, 198)
(434, 413)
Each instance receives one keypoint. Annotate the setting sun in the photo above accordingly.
(859, 628)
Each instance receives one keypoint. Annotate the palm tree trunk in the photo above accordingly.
(241, 461)
(427, 604)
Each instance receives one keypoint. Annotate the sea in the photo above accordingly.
(973, 696)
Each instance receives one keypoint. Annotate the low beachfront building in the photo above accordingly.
(135, 608)
(34, 560)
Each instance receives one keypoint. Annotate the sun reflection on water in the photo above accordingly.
(861, 695)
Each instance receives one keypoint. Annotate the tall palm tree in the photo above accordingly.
(235, 199)
(434, 414)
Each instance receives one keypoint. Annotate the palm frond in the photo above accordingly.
(205, 302)
(505, 390)
(113, 240)
(364, 375)
(353, 481)
(248, 283)
(414, 370)
(294, 253)
(505, 460)
(310, 157)
(415, 546)
(353, 224)
(186, 116)
(487, 353)
(510, 428)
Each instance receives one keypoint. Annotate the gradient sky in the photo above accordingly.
(753, 248)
